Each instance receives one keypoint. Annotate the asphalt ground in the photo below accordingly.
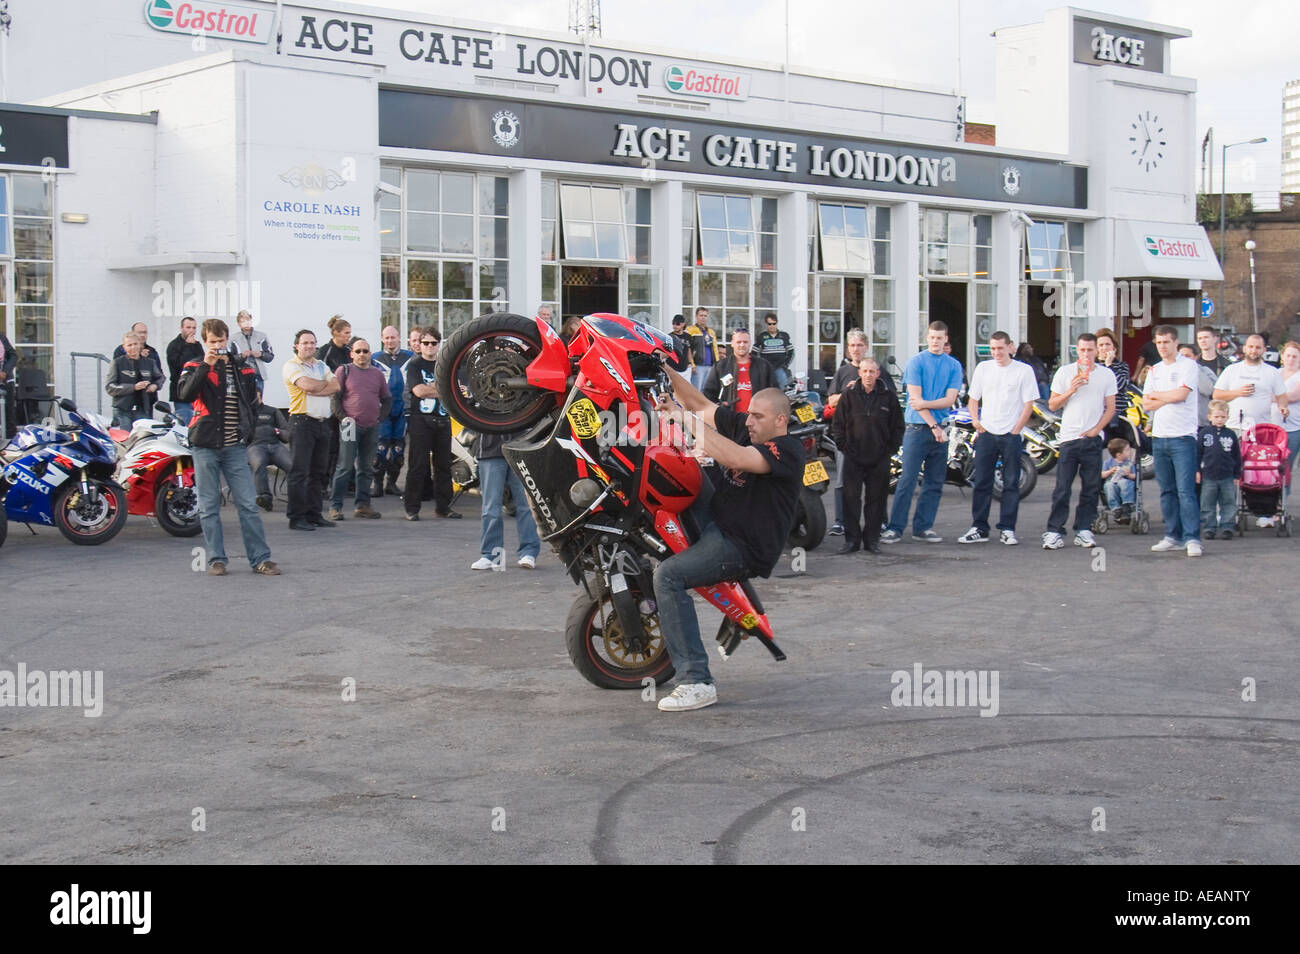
(1121, 734)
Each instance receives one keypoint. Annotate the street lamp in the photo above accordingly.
(1223, 194)
(1254, 310)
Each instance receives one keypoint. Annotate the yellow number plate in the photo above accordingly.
(814, 472)
(805, 413)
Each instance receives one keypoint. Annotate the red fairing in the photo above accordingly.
(551, 368)
(670, 480)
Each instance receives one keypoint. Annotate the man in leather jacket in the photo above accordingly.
(738, 376)
(868, 430)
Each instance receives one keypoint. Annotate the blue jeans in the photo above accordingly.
(700, 374)
(261, 456)
(209, 466)
(988, 448)
(1175, 460)
(711, 559)
(493, 474)
(183, 412)
(781, 376)
(1120, 492)
(919, 447)
(1081, 457)
(1293, 451)
(359, 455)
(1218, 504)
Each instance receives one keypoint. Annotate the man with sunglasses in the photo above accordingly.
(362, 401)
(429, 432)
(777, 350)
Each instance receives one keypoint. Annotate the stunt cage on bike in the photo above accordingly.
(612, 499)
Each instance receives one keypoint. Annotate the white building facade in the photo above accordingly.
(196, 158)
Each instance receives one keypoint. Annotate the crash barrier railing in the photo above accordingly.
(100, 360)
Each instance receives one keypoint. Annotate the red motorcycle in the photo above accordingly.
(607, 481)
(157, 470)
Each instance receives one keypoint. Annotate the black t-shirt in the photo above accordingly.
(756, 511)
(1150, 354)
(1216, 364)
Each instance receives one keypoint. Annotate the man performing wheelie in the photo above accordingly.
(743, 521)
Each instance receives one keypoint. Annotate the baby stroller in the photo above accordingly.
(1133, 515)
(1264, 478)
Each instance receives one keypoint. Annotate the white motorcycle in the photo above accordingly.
(156, 468)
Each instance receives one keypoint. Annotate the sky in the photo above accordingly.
(1240, 53)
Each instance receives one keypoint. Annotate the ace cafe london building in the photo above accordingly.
(166, 158)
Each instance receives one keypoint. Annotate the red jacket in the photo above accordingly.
(204, 387)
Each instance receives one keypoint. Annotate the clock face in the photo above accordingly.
(1147, 142)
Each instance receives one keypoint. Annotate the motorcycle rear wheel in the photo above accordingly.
(177, 509)
(809, 528)
(88, 523)
(1028, 478)
(474, 366)
(594, 638)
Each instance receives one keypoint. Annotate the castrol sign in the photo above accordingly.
(707, 82)
(224, 21)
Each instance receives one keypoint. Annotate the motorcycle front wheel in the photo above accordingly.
(480, 369)
(809, 521)
(177, 509)
(90, 520)
(600, 652)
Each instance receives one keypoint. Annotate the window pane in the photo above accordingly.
(688, 208)
(638, 209)
(882, 329)
(857, 253)
(1075, 236)
(958, 228)
(855, 221)
(455, 314)
(493, 195)
(39, 358)
(609, 242)
(959, 261)
(936, 259)
(688, 252)
(1076, 265)
(713, 247)
(742, 248)
(983, 230)
(1037, 235)
(457, 192)
(882, 258)
(985, 298)
(737, 289)
(393, 176)
(576, 201)
(642, 285)
(458, 234)
(607, 204)
(882, 295)
(492, 238)
(390, 276)
(735, 321)
(31, 196)
(32, 282)
(765, 293)
(639, 245)
(832, 220)
(421, 279)
(1056, 236)
(424, 314)
(834, 257)
(936, 226)
(33, 325)
(457, 280)
(740, 212)
(548, 241)
(550, 282)
(548, 199)
(390, 231)
(421, 190)
(4, 224)
(579, 240)
(710, 289)
(493, 286)
(982, 258)
(422, 232)
(766, 251)
(767, 215)
(882, 222)
(830, 295)
(390, 313)
(33, 238)
(712, 215)
(688, 293)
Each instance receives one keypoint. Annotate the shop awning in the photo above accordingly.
(164, 261)
(1164, 250)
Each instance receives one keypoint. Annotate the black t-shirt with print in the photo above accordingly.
(756, 511)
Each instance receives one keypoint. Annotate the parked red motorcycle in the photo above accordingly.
(608, 484)
(157, 471)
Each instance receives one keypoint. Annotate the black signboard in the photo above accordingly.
(497, 127)
(33, 139)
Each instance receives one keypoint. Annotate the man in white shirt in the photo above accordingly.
(1086, 390)
(1251, 387)
(1008, 390)
(1169, 396)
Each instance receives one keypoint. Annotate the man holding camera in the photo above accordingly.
(223, 390)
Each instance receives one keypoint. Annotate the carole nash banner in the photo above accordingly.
(484, 126)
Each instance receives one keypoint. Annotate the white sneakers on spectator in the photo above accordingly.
(486, 563)
(1053, 540)
(1194, 548)
(528, 562)
(1008, 537)
(689, 695)
(1168, 543)
(1084, 538)
(973, 536)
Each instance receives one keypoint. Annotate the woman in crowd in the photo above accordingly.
(1108, 355)
(1291, 381)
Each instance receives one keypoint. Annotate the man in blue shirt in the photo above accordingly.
(933, 380)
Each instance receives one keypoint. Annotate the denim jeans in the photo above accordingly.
(209, 466)
(1218, 504)
(1081, 457)
(711, 559)
(919, 447)
(838, 484)
(1293, 451)
(1175, 460)
(260, 456)
(493, 475)
(700, 374)
(1120, 492)
(183, 412)
(781, 377)
(356, 455)
(988, 448)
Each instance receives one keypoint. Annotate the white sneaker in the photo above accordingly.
(1053, 541)
(1194, 548)
(1264, 522)
(1008, 537)
(973, 536)
(1084, 538)
(528, 562)
(486, 563)
(1167, 544)
(689, 695)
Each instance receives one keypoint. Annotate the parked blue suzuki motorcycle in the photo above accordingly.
(63, 477)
